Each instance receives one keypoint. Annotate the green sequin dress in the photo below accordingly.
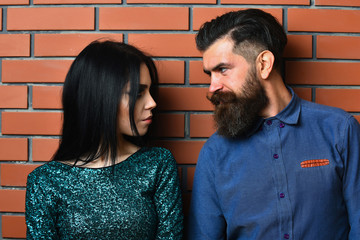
(138, 198)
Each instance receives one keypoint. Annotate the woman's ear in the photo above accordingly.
(265, 62)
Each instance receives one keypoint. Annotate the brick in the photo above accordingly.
(43, 149)
(202, 125)
(67, 44)
(48, 97)
(12, 200)
(323, 20)
(350, 3)
(347, 99)
(13, 226)
(171, 72)
(13, 96)
(304, 93)
(173, 1)
(169, 125)
(14, 45)
(53, 2)
(196, 73)
(343, 47)
(357, 117)
(275, 2)
(13, 149)
(35, 71)
(14, 2)
(322, 73)
(185, 152)
(298, 46)
(202, 15)
(152, 18)
(166, 45)
(15, 174)
(50, 18)
(31, 123)
(183, 99)
(190, 177)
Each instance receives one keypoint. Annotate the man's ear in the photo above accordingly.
(265, 62)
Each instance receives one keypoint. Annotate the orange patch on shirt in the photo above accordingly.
(314, 163)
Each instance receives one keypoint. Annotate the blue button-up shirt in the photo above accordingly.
(296, 176)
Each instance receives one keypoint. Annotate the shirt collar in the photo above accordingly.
(289, 115)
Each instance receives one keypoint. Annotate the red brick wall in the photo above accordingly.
(39, 39)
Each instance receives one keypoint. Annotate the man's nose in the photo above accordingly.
(215, 85)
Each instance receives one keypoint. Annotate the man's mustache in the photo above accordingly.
(219, 97)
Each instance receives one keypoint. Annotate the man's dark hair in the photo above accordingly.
(252, 31)
(92, 91)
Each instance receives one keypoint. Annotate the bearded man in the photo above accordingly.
(278, 167)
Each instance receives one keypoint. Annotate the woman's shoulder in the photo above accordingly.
(158, 152)
(45, 172)
(157, 155)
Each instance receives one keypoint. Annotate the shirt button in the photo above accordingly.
(282, 195)
(269, 122)
(276, 156)
(286, 236)
(282, 125)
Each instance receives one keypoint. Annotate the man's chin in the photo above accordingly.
(231, 126)
(228, 131)
(231, 134)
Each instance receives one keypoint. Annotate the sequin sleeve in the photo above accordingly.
(39, 209)
(168, 201)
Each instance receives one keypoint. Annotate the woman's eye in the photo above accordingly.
(140, 94)
(142, 91)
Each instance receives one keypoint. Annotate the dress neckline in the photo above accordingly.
(101, 168)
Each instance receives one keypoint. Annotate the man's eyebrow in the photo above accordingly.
(215, 68)
(207, 72)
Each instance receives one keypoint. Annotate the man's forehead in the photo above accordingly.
(219, 47)
(222, 56)
(219, 52)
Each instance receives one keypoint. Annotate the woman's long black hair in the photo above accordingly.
(92, 92)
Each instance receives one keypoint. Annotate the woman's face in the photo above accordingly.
(143, 106)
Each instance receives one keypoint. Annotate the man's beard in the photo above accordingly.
(235, 116)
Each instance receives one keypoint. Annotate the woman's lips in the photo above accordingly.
(148, 119)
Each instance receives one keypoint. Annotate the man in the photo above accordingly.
(278, 167)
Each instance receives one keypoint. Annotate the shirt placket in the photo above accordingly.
(273, 128)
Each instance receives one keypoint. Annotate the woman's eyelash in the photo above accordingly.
(141, 92)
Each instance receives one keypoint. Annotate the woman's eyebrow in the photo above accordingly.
(142, 87)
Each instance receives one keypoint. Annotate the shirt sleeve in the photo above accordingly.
(40, 218)
(206, 220)
(168, 201)
(351, 178)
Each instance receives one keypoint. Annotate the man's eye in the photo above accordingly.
(222, 70)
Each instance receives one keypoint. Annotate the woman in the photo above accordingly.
(100, 185)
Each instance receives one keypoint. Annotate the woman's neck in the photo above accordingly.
(125, 149)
